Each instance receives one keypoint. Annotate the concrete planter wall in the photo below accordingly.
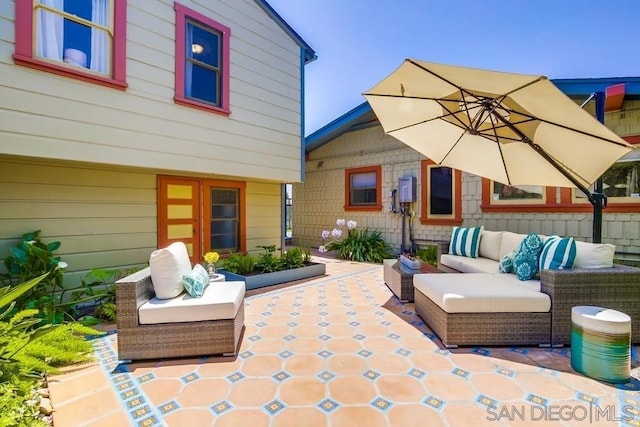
(267, 279)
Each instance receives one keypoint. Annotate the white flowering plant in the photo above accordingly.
(362, 245)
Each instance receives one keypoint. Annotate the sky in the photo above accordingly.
(359, 42)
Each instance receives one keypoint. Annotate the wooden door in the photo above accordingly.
(179, 214)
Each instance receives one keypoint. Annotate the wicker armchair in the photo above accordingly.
(167, 340)
(617, 288)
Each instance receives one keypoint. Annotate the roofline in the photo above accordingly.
(571, 87)
(309, 53)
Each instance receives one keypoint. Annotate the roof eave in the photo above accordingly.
(309, 53)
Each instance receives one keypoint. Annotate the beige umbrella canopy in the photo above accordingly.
(516, 129)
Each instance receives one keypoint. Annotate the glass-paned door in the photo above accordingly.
(224, 236)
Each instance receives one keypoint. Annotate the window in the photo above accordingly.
(75, 38)
(503, 193)
(202, 61)
(442, 198)
(621, 184)
(362, 188)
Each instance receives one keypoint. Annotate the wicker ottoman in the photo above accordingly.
(399, 278)
(601, 343)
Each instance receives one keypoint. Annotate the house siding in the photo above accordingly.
(104, 216)
(49, 116)
(319, 201)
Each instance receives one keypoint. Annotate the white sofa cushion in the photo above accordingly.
(219, 301)
(168, 265)
(481, 293)
(594, 255)
(490, 242)
(510, 242)
(469, 265)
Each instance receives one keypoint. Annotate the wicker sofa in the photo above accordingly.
(616, 287)
(170, 339)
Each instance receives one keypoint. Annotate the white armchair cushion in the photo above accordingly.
(168, 265)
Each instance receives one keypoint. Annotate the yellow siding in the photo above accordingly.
(103, 218)
(49, 116)
(264, 213)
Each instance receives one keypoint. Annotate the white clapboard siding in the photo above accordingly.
(50, 116)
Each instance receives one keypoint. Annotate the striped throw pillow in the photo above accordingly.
(558, 253)
(465, 241)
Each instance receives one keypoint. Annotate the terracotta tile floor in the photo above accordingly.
(341, 350)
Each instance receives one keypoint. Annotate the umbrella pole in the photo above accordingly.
(599, 197)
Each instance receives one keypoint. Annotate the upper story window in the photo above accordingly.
(84, 39)
(441, 194)
(202, 61)
(363, 188)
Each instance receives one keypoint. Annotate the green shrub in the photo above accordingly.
(428, 254)
(268, 262)
(32, 258)
(239, 263)
(27, 352)
(294, 258)
(362, 245)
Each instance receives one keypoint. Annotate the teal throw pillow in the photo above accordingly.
(506, 264)
(196, 281)
(558, 253)
(525, 265)
(465, 241)
(532, 244)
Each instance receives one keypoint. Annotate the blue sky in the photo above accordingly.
(359, 42)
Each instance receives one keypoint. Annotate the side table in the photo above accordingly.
(399, 278)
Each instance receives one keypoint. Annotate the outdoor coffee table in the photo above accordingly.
(399, 277)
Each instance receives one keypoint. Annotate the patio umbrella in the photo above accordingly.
(516, 129)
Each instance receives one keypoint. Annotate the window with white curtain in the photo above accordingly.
(78, 33)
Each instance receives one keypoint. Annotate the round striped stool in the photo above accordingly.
(601, 343)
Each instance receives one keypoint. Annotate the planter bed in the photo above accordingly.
(260, 280)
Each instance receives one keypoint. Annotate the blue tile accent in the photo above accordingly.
(141, 412)
(235, 377)
(285, 354)
(328, 405)
(381, 404)
(324, 324)
(385, 323)
(149, 421)
(351, 313)
(536, 400)
(289, 337)
(135, 402)
(266, 313)
(506, 372)
(354, 323)
(434, 402)
(246, 354)
(326, 376)
(168, 407)
(394, 336)
(274, 407)
(586, 398)
(481, 351)
(325, 353)
(487, 401)
(190, 377)
(365, 353)
(460, 372)
(220, 407)
(261, 324)
(371, 375)
(324, 337)
(280, 376)
(254, 338)
(403, 352)
(359, 337)
(416, 373)
(292, 324)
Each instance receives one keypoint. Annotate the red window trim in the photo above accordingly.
(347, 189)
(24, 43)
(182, 13)
(457, 195)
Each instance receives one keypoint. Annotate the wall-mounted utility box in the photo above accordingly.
(407, 189)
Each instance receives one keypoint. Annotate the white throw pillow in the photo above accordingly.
(168, 265)
(490, 244)
(594, 255)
